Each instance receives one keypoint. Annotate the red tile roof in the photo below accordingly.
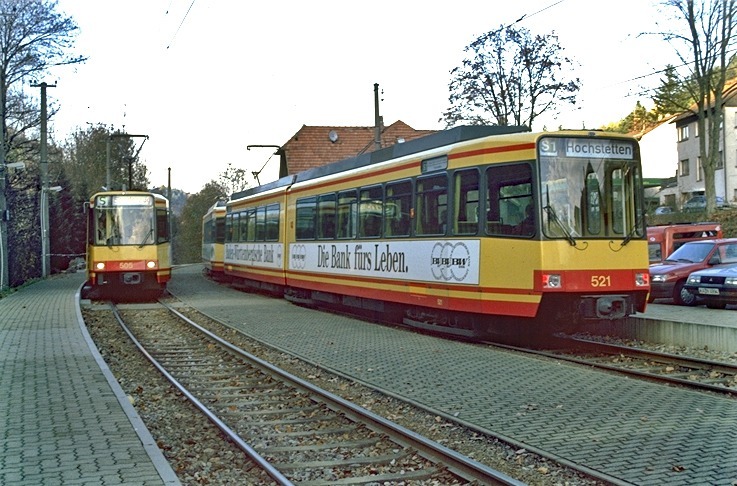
(312, 146)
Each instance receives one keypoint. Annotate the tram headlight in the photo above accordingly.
(552, 281)
(642, 279)
(151, 264)
(100, 266)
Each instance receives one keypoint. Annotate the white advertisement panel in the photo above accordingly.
(448, 261)
(266, 255)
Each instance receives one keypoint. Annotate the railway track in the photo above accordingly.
(692, 372)
(297, 432)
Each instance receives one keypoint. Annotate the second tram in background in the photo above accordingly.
(474, 231)
(128, 247)
(213, 241)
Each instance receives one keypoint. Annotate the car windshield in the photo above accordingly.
(691, 252)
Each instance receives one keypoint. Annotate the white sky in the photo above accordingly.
(239, 73)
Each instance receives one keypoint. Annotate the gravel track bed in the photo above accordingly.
(199, 453)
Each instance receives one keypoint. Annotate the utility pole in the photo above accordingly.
(4, 213)
(45, 253)
(108, 186)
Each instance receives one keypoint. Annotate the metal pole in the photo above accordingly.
(107, 165)
(3, 203)
(44, 166)
(377, 119)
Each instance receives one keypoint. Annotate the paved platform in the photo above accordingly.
(64, 420)
(635, 432)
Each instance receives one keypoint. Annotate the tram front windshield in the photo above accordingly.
(124, 220)
(590, 188)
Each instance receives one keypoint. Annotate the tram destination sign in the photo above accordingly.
(589, 148)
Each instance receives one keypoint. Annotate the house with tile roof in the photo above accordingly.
(315, 146)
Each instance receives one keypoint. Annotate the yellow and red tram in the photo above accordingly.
(462, 231)
(213, 241)
(128, 245)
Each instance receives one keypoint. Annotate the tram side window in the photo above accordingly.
(509, 201)
(246, 225)
(370, 212)
(326, 216)
(397, 208)
(229, 228)
(347, 214)
(260, 223)
(306, 218)
(249, 225)
(162, 225)
(272, 222)
(236, 228)
(431, 205)
(466, 202)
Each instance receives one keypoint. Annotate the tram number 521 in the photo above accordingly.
(601, 281)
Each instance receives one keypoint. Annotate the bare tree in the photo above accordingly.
(706, 41)
(233, 179)
(33, 38)
(509, 78)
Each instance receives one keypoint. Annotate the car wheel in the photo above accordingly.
(682, 296)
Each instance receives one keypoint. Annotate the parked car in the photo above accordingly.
(668, 279)
(715, 286)
(663, 210)
(664, 240)
(698, 203)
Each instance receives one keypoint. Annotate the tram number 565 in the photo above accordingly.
(601, 281)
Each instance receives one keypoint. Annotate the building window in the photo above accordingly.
(683, 169)
(720, 162)
(683, 133)
(699, 169)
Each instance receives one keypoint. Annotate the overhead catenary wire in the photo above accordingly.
(180, 23)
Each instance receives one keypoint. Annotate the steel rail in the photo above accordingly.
(455, 462)
(275, 474)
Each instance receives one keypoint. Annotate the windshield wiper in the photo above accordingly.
(551, 214)
(148, 235)
(630, 235)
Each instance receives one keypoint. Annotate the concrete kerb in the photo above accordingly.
(690, 334)
(157, 457)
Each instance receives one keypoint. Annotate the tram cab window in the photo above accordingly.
(431, 205)
(397, 208)
(347, 214)
(305, 229)
(509, 201)
(370, 211)
(466, 202)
